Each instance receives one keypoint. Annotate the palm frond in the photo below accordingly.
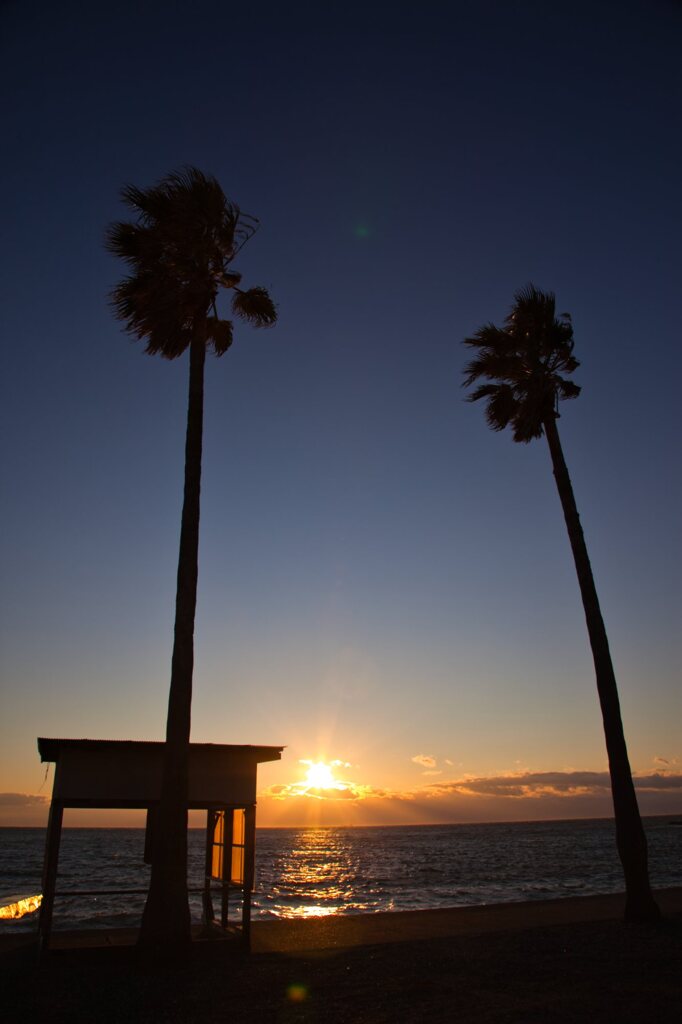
(502, 403)
(489, 336)
(482, 391)
(532, 410)
(154, 312)
(567, 388)
(179, 249)
(220, 333)
(523, 363)
(230, 279)
(255, 306)
(124, 240)
(495, 365)
(501, 408)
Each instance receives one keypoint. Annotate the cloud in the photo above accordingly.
(515, 786)
(658, 781)
(515, 796)
(339, 791)
(22, 800)
(541, 784)
(668, 764)
(518, 795)
(425, 760)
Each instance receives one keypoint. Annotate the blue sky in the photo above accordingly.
(381, 577)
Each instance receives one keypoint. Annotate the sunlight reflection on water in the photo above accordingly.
(326, 871)
(319, 877)
(309, 912)
(321, 872)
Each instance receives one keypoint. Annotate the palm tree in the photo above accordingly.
(523, 364)
(179, 250)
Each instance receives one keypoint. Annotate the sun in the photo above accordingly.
(320, 783)
(320, 776)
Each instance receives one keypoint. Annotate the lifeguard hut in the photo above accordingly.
(127, 774)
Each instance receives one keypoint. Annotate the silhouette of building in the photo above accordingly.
(127, 774)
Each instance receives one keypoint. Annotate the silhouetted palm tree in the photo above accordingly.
(523, 364)
(179, 249)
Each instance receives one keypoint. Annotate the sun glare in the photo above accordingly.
(321, 783)
(320, 776)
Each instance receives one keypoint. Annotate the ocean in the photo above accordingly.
(310, 872)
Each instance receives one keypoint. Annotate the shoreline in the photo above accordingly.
(346, 931)
(337, 932)
(567, 961)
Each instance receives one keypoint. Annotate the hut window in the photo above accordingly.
(238, 844)
(228, 847)
(218, 846)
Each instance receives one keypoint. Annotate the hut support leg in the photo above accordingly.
(54, 832)
(207, 902)
(249, 871)
(224, 905)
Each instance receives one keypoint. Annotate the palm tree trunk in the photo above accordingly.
(630, 837)
(166, 918)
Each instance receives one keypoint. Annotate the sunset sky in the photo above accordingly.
(386, 586)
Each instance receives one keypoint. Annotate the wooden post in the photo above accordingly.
(52, 839)
(150, 833)
(207, 902)
(249, 870)
(227, 867)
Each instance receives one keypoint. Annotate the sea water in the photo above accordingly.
(309, 872)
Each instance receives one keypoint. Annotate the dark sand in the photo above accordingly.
(562, 960)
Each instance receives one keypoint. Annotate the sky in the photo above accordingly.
(385, 586)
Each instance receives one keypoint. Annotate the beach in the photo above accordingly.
(556, 961)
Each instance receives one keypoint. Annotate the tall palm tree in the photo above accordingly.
(523, 365)
(179, 250)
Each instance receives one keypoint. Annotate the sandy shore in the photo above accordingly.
(557, 961)
(328, 933)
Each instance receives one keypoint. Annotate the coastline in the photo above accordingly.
(349, 931)
(558, 961)
(336, 932)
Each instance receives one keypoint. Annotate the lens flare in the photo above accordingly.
(297, 993)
